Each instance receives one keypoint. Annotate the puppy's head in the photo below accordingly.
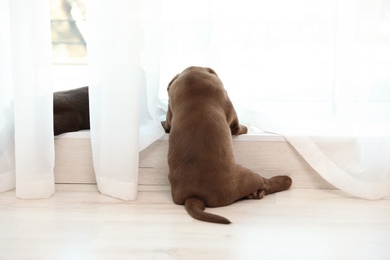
(194, 80)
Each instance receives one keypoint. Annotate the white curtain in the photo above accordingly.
(358, 160)
(123, 95)
(314, 71)
(26, 117)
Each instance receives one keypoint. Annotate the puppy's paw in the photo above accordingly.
(283, 181)
(259, 194)
(279, 183)
(239, 130)
(165, 126)
(243, 129)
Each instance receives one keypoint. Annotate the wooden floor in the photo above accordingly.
(79, 223)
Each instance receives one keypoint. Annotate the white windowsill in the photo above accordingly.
(251, 137)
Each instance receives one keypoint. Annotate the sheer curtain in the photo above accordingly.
(123, 95)
(26, 118)
(360, 164)
(313, 71)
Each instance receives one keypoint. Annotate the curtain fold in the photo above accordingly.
(27, 105)
(351, 170)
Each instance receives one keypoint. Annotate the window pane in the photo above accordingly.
(68, 36)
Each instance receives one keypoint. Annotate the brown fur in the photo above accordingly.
(202, 168)
(71, 110)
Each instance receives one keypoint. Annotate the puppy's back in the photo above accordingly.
(71, 110)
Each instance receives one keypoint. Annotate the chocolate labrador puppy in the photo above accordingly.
(202, 168)
(71, 110)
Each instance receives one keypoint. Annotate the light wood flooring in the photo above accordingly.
(79, 223)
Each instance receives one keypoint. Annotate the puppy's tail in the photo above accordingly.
(195, 207)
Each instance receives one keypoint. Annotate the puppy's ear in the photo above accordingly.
(170, 83)
(210, 70)
(167, 123)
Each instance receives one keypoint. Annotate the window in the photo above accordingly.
(69, 50)
(68, 31)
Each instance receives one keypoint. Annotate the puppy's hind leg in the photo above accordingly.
(253, 186)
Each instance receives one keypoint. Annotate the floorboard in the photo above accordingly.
(79, 223)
